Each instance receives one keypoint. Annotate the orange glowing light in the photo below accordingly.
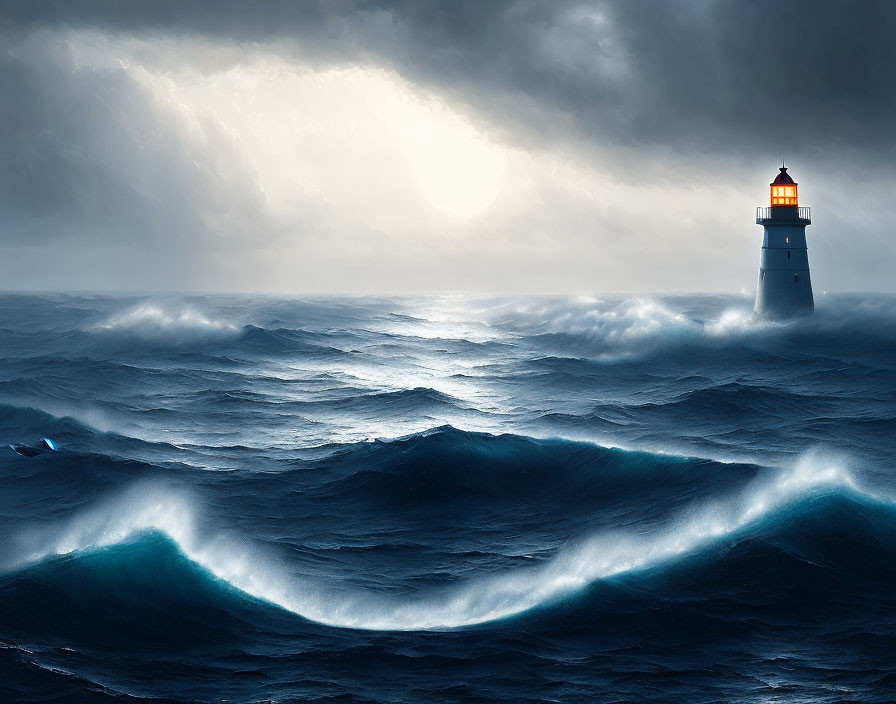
(783, 189)
(784, 195)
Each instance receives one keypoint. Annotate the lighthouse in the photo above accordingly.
(784, 288)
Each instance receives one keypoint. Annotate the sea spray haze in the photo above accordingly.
(447, 499)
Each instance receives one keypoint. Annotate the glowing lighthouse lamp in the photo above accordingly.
(784, 288)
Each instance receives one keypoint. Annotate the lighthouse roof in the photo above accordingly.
(783, 178)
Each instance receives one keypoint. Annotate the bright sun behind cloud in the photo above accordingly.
(455, 167)
(352, 133)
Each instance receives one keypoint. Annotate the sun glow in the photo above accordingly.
(356, 135)
(455, 167)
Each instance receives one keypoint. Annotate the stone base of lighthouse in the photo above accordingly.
(784, 288)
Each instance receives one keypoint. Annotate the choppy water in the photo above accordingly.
(447, 499)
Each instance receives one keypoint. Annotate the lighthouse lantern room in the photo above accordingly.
(783, 189)
(784, 287)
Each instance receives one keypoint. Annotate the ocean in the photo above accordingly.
(262, 498)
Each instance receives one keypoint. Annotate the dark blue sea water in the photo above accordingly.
(447, 499)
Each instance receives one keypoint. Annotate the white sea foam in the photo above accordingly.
(157, 319)
(264, 576)
(616, 327)
(609, 327)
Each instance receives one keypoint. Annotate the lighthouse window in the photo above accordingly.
(788, 254)
(796, 277)
(787, 240)
(784, 195)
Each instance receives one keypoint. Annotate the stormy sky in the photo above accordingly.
(530, 146)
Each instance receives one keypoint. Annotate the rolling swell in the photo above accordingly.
(443, 469)
(240, 474)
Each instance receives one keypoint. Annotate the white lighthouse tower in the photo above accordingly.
(785, 288)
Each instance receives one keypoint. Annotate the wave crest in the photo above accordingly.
(612, 326)
(158, 320)
(617, 327)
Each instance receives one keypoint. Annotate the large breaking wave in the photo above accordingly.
(261, 573)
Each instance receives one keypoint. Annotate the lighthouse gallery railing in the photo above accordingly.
(783, 214)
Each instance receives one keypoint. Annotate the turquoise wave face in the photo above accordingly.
(445, 498)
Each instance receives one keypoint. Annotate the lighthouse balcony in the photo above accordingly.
(783, 214)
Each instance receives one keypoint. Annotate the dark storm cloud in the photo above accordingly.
(697, 76)
(87, 152)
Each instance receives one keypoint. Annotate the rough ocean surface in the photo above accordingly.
(446, 499)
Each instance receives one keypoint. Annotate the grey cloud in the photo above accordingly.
(88, 152)
(700, 76)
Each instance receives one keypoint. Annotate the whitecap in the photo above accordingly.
(165, 320)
